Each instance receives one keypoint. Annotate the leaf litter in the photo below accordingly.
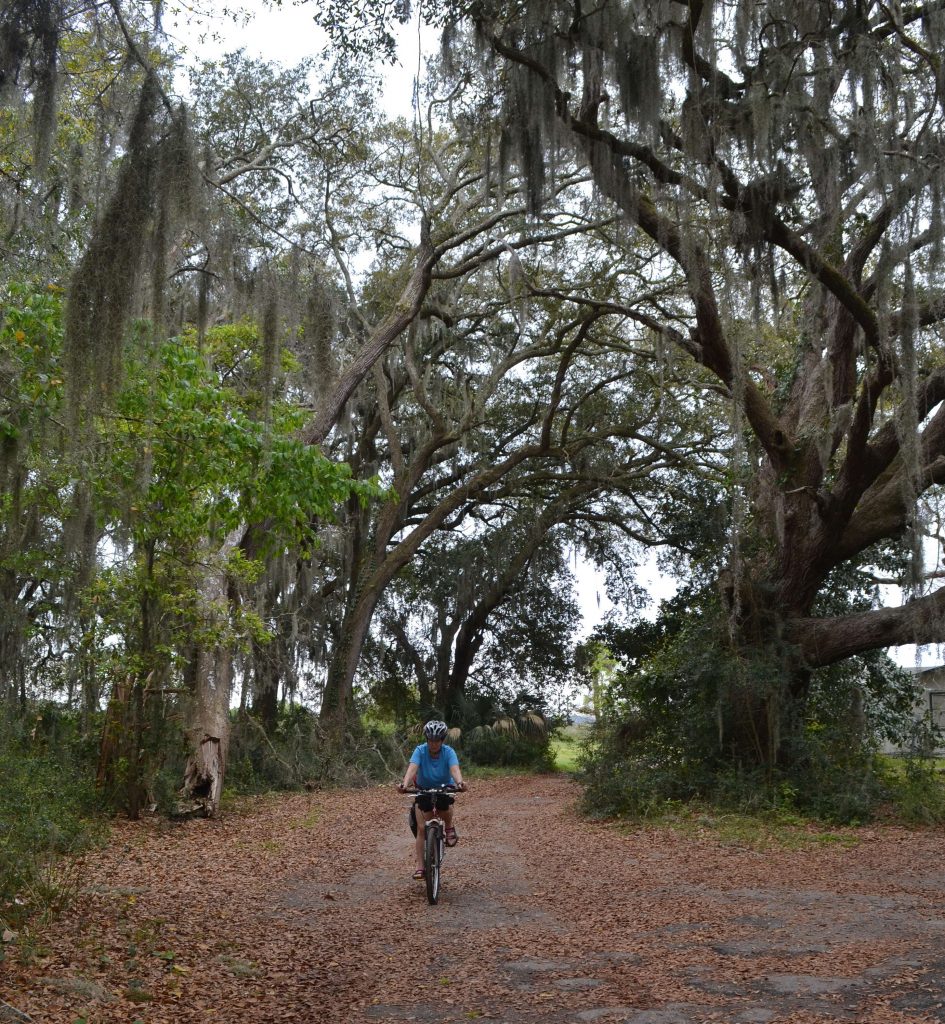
(302, 908)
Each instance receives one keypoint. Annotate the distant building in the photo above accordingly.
(929, 699)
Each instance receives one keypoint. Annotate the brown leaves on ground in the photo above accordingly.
(301, 908)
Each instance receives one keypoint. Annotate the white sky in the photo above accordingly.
(288, 35)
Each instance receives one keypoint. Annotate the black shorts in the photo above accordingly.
(425, 801)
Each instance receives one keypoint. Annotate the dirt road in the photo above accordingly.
(301, 908)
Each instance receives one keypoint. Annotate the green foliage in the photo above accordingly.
(393, 698)
(189, 461)
(672, 724)
(486, 745)
(500, 731)
(916, 789)
(30, 348)
(49, 811)
(285, 758)
(37, 479)
(112, 538)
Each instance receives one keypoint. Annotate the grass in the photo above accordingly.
(759, 832)
(472, 770)
(567, 746)
(896, 765)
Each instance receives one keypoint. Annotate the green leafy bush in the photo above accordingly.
(49, 813)
(916, 788)
(486, 746)
(692, 718)
(510, 732)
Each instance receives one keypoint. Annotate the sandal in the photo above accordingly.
(451, 837)
(420, 874)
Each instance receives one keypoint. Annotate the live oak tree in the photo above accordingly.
(507, 407)
(782, 163)
(491, 611)
(486, 603)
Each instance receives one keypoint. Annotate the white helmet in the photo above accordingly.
(435, 730)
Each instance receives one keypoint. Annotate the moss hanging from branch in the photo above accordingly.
(29, 49)
(270, 355)
(103, 286)
(155, 182)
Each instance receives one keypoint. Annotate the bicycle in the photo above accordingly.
(434, 840)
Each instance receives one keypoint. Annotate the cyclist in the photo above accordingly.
(433, 763)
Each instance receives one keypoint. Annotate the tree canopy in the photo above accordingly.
(303, 403)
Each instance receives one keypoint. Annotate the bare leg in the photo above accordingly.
(422, 816)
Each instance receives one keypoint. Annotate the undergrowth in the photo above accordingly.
(759, 831)
(908, 790)
(294, 754)
(50, 814)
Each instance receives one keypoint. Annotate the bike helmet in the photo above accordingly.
(435, 730)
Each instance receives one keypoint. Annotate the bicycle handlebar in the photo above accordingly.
(416, 790)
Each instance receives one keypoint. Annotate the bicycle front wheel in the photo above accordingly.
(431, 862)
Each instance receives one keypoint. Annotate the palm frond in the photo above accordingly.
(532, 724)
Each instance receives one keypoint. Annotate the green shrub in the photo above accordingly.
(294, 755)
(916, 788)
(489, 747)
(828, 780)
(50, 813)
(492, 729)
(693, 717)
(288, 757)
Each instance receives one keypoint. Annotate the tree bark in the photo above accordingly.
(208, 734)
(265, 686)
(207, 717)
(828, 640)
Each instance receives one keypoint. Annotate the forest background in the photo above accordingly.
(305, 409)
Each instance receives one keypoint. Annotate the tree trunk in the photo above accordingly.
(763, 697)
(265, 691)
(336, 709)
(207, 721)
(208, 734)
(336, 712)
(453, 689)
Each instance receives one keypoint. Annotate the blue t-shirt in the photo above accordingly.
(434, 771)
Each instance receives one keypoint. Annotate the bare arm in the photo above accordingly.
(410, 777)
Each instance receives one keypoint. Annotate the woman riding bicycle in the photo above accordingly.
(433, 764)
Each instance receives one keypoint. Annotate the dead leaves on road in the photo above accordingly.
(301, 908)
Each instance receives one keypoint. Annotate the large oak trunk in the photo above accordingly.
(337, 711)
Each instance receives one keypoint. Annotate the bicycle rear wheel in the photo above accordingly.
(431, 862)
